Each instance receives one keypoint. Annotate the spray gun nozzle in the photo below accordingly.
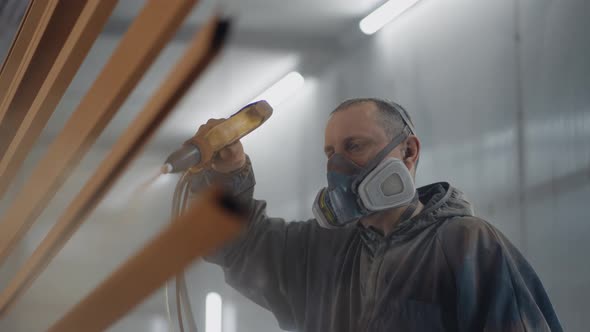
(166, 168)
(182, 159)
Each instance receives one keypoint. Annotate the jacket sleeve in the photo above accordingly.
(267, 262)
(495, 287)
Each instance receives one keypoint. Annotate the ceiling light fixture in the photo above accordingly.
(384, 14)
(282, 89)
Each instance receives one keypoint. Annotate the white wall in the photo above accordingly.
(499, 92)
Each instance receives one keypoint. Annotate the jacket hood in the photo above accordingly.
(443, 201)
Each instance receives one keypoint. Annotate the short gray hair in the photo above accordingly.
(388, 115)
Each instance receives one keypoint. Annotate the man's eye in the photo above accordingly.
(354, 147)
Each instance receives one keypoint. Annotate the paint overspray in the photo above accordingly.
(154, 182)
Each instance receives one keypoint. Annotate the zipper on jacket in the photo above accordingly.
(369, 311)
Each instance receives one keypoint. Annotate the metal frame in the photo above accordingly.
(209, 223)
(146, 37)
(26, 42)
(196, 58)
(61, 52)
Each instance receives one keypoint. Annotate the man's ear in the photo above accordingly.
(412, 152)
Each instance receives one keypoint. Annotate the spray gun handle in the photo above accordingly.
(196, 153)
(229, 131)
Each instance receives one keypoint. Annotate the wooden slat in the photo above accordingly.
(19, 44)
(196, 58)
(24, 43)
(34, 65)
(18, 38)
(146, 37)
(12, 14)
(28, 116)
(206, 226)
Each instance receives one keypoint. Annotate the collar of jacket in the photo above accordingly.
(441, 201)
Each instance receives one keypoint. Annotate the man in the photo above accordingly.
(380, 255)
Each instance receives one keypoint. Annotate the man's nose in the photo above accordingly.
(344, 158)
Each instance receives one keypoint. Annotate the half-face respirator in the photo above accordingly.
(354, 192)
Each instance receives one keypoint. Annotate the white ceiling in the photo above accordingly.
(298, 16)
(268, 41)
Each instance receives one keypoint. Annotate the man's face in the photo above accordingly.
(355, 133)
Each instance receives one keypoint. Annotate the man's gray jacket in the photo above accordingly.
(442, 270)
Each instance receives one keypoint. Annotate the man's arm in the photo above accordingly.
(267, 262)
(496, 288)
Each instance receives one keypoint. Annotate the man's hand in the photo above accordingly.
(230, 158)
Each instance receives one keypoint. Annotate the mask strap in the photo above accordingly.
(410, 209)
(402, 112)
(381, 155)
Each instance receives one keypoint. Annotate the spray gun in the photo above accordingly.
(195, 155)
(197, 152)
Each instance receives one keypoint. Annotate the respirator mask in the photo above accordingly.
(354, 192)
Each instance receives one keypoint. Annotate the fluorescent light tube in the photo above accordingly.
(213, 307)
(384, 14)
(282, 89)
